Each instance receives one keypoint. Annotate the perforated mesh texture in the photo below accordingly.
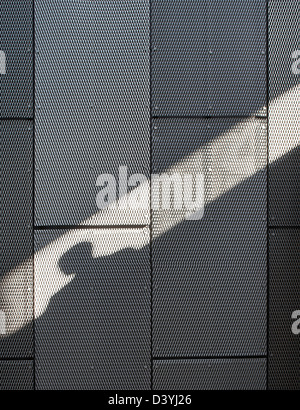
(16, 277)
(16, 86)
(284, 361)
(92, 307)
(199, 265)
(232, 234)
(16, 375)
(233, 374)
(93, 111)
(284, 113)
(195, 59)
(191, 309)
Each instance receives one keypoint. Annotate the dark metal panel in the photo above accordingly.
(92, 307)
(233, 157)
(233, 374)
(284, 347)
(16, 375)
(16, 86)
(207, 314)
(93, 110)
(16, 277)
(222, 256)
(179, 57)
(284, 113)
(237, 83)
(205, 50)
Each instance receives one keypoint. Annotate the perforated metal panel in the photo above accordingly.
(92, 106)
(92, 308)
(232, 234)
(16, 375)
(236, 47)
(284, 110)
(233, 374)
(179, 57)
(16, 86)
(202, 50)
(199, 313)
(16, 277)
(284, 346)
(201, 265)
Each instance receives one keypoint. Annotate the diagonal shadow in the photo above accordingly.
(118, 327)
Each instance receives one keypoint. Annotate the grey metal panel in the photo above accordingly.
(221, 257)
(92, 309)
(16, 375)
(16, 275)
(207, 314)
(284, 347)
(233, 156)
(237, 45)
(233, 374)
(284, 113)
(16, 86)
(202, 50)
(179, 58)
(92, 106)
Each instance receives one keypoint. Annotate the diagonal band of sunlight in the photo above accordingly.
(56, 249)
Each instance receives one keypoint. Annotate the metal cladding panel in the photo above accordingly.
(16, 375)
(16, 86)
(233, 374)
(16, 275)
(233, 157)
(208, 314)
(204, 49)
(93, 107)
(92, 309)
(179, 57)
(237, 49)
(222, 256)
(284, 113)
(284, 346)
